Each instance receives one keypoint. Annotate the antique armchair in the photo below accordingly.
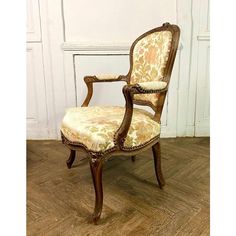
(102, 132)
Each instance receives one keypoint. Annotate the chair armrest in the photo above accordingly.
(128, 91)
(89, 80)
(152, 86)
(104, 78)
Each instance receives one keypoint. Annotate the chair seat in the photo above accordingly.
(96, 126)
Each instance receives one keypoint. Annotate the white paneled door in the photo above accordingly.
(36, 98)
(201, 63)
(202, 119)
(36, 116)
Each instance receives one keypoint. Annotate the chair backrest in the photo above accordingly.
(151, 59)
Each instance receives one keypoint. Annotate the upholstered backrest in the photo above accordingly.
(149, 59)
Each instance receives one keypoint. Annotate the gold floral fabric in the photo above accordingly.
(150, 56)
(96, 126)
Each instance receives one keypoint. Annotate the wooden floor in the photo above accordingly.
(60, 200)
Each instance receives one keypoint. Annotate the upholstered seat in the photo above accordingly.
(96, 126)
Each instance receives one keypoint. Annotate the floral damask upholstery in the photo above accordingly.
(150, 56)
(96, 126)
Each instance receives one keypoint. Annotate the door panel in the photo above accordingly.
(36, 99)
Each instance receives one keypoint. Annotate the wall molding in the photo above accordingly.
(204, 37)
(96, 46)
(117, 48)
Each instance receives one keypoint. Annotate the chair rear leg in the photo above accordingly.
(96, 166)
(71, 159)
(157, 164)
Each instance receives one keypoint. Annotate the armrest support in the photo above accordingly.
(129, 91)
(89, 80)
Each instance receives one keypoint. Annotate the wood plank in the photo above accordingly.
(59, 201)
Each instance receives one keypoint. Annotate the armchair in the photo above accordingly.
(102, 132)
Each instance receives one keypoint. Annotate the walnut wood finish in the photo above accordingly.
(156, 149)
(133, 158)
(97, 158)
(96, 171)
(71, 159)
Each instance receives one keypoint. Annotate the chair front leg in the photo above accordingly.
(96, 166)
(71, 159)
(133, 158)
(157, 164)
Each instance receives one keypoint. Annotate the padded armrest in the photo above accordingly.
(153, 85)
(107, 77)
(104, 78)
(146, 87)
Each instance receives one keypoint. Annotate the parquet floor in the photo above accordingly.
(60, 200)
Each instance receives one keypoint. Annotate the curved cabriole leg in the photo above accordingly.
(96, 171)
(157, 164)
(133, 158)
(71, 159)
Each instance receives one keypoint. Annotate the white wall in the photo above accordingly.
(78, 37)
(114, 21)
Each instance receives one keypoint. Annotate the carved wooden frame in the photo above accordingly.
(97, 159)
